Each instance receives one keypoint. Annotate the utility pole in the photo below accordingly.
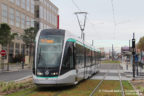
(133, 52)
(92, 42)
(129, 46)
(82, 26)
(112, 53)
(109, 54)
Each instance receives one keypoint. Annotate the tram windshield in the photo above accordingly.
(49, 51)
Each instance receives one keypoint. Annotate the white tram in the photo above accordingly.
(62, 59)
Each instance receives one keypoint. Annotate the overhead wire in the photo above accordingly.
(78, 8)
(93, 27)
(75, 4)
(114, 19)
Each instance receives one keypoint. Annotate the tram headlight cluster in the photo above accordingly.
(39, 73)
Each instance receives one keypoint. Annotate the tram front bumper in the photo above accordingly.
(66, 79)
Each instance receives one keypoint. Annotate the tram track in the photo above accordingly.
(121, 85)
(101, 82)
(29, 92)
(98, 85)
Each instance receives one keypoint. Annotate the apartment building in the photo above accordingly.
(23, 14)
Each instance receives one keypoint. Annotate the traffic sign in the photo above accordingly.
(3, 52)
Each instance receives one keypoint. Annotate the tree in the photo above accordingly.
(10, 38)
(141, 44)
(6, 36)
(29, 38)
(5, 31)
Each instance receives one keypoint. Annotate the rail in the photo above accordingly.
(121, 85)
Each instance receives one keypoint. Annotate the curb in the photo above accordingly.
(23, 78)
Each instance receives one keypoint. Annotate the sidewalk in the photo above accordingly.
(126, 67)
(15, 75)
(15, 72)
(14, 67)
(128, 70)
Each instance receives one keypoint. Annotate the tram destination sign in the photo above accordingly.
(3, 52)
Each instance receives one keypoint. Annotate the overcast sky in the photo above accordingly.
(129, 17)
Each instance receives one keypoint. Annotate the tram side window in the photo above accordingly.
(88, 57)
(91, 57)
(93, 60)
(68, 58)
(95, 57)
(79, 55)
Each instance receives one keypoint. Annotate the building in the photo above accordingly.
(23, 14)
(46, 14)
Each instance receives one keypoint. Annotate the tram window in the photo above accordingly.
(68, 58)
(49, 54)
(88, 57)
(79, 55)
(95, 57)
(66, 64)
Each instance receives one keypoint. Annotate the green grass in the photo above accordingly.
(129, 91)
(110, 61)
(82, 89)
(109, 88)
(22, 92)
(11, 87)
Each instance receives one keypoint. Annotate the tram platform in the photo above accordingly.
(128, 70)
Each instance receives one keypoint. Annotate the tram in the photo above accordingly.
(62, 58)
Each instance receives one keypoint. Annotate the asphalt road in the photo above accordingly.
(12, 76)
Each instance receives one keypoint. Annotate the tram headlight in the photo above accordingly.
(39, 73)
(54, 73)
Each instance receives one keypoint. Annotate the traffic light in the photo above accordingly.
(133, 43)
